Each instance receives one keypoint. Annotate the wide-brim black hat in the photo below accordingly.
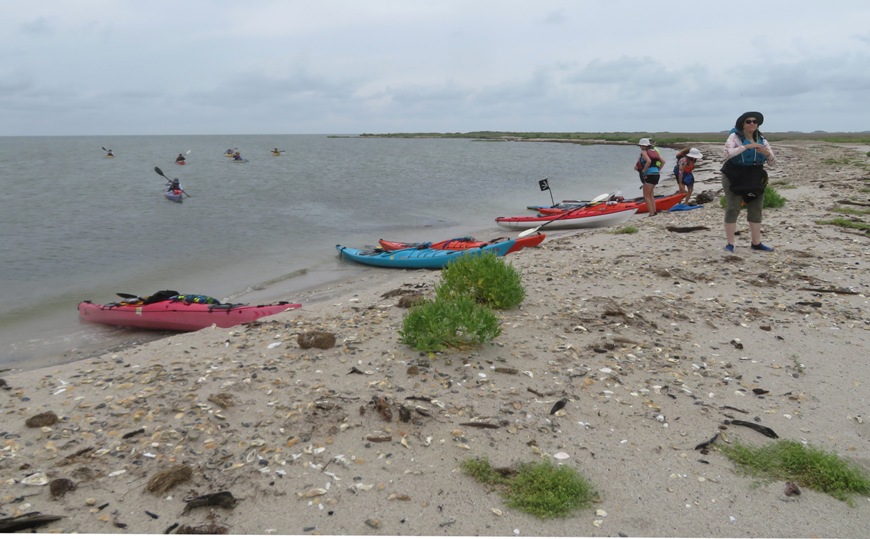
(754, 114)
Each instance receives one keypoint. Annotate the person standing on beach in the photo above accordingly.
(686, 159)
(744, 178)
(648, 167)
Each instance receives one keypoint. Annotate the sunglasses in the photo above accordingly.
(750, 121)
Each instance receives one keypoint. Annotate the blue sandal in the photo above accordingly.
(729, 248)
(761, 247)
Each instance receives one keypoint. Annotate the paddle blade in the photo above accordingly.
(529, 232)
(187, 152)
(600, 198)
(158, 171)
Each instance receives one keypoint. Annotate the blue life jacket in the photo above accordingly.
(749, 157)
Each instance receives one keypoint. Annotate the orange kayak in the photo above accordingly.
(460, 244)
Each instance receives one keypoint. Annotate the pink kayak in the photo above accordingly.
(177, 314)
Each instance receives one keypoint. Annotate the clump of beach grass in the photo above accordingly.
(628, 229)
(805, 465)
(541, 488)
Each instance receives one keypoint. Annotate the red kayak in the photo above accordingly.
(178, 313)
(663, 203)
(460, 244)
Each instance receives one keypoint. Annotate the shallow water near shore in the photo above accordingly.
(80, 226)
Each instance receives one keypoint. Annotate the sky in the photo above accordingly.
(195, 67)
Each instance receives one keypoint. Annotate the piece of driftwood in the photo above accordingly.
(831, 290)
(767, 431)
(708, 443)
(852, 203)
(223, 499)
(687, 228)
(26, 521)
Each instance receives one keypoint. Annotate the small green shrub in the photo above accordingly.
(772, 199)
(542, 489)
(442, 323)
(629, 229)
(486, 278)
(805, 465)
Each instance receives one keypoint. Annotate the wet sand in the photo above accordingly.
(656, 339)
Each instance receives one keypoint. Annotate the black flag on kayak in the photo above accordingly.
(544, 184)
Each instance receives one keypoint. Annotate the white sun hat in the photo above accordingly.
(694, 153)
(644, 142)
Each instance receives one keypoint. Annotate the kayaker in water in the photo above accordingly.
(686, 159)
(648, 167)
(174, 185)
(237, 156)
(180, 158)
(109, 153)
(276, 151)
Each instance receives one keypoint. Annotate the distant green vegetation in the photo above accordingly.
(845, 161)
(661, 138)
(805, 465)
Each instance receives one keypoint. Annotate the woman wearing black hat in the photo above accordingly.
(744, 178)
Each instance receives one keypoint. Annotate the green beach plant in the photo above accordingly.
(486, 278)
(772, 199)
(628, 229)
(805, 465)
(541, 488)
(458, 322)
(843, 222)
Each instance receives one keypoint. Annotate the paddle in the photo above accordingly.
(600, 198)
(158, 171)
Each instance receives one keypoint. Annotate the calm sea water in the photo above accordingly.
(76, 225)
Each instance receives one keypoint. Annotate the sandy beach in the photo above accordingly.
(655, 338)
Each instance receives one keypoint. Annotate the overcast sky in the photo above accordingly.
(127, 67)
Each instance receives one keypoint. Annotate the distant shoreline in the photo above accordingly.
(620, 137)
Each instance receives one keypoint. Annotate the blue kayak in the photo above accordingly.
(417, 258)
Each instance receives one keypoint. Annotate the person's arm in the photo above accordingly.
(681, 164)
(768, 151)
(733, 146)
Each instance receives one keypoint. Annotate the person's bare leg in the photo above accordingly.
(649, 198)
(755, 233)
(730, 229)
